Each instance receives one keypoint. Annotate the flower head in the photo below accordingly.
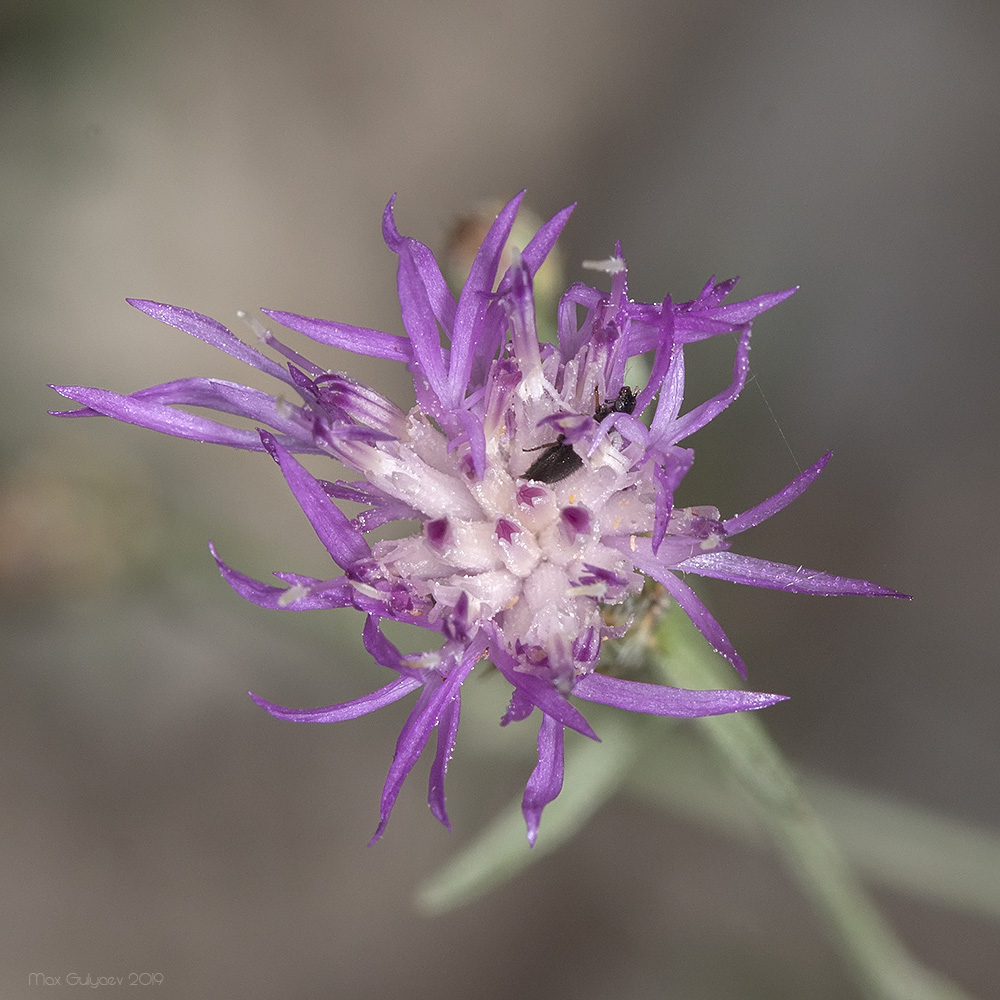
(541, 498)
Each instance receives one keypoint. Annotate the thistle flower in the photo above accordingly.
(540, 496)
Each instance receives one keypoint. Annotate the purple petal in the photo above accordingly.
(382, 651)
(475, 300)
(779, 576)
(358, 402)
(587, 647)
(540, 692)
(693, 321)
(384, 508)
(410, 744)
(703, 619)
(294, 426)
(393, 691)
(212, 332)
(213, 394)
(662, 359)
(666, 478)
(705, 412)
(658, 699)
(546, 780)
(519, 305)
(447, 731)
(544, 240)
(519, 707)
(472, 425)
(327, 594)
(342, 540)
(295, 430)
(571, 335)
(689, 602)
(768, 508)
(706, 316)
(439, 295)
(691, 328)
(296, 359)
(226, 397)
(337, 593)
(157, 417)
(668, 406)
(430, 708)
(742, 312)
(713, 293)
(421, 324)
(357, 339)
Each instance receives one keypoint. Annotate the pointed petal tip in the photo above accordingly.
(380, 829)
(775, 298)
(263, 703)
(770, 699)
(390, 234)
(514, 203)
(69, 392)
(148, 306)
(63, 390)
(270, 443)
(442, 818)
(865, 588)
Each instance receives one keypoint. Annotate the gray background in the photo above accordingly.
(226, 155)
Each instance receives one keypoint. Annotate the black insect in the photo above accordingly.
(560, 459)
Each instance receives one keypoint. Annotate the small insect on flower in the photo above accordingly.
(560, 460)
(490, 565)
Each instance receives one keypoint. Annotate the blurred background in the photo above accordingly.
(231, 155)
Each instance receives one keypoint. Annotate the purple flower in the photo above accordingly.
(541, 498)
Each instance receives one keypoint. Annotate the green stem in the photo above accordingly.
(880, 963)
